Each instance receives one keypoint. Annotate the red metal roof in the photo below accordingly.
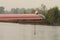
(19, 17)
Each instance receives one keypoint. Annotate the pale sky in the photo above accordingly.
(8, 4)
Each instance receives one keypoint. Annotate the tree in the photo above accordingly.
(17, 10)
(13, 10)
(33, 11)
(23, 10)
(1, 10)
(28, 11)
(52, 15)
(43, 9)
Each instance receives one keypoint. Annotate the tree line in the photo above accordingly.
(17, 11)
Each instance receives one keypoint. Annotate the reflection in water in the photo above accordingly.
(15, 31)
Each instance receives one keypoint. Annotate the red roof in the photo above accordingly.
(19, 17)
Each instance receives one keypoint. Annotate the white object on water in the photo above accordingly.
(42, 16)
(36, 12)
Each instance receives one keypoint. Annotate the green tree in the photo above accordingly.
(1, 10)
(23, 10)
(17, 10)
(13, 10)
(43, 7)
(52, 15)
(33, 11)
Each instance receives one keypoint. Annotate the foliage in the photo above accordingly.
(33, 11)
(53, 15)
(1, 10)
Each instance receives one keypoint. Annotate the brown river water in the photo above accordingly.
(15, 31)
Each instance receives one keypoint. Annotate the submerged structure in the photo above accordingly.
(22, 18)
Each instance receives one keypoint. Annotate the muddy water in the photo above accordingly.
(15, 31)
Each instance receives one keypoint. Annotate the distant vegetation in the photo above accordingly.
(52, 15)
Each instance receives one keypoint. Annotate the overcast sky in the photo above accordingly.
(8, 4)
